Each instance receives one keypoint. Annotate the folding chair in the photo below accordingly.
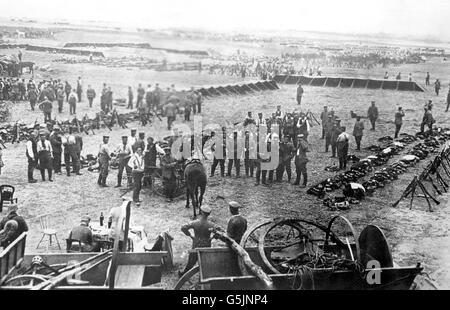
(44, 221)
(6, 194)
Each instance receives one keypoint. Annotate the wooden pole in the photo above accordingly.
(255, 269)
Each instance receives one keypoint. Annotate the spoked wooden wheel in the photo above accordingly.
(291, 242)
(190, 280)
(26, 280)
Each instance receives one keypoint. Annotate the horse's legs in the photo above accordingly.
(202, 191)
(187, 197)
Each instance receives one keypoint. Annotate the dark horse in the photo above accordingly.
(27, 64)
(195, 177)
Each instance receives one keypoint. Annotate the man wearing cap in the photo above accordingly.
(136, 163)
(124, 153)
(358, 132)
(237, 224)
(32, 96)
(60, 98)
(130, 98)
(45, 155)
(203, 230)
(372, 114)
(139, 143)
(150, 154)
(71, 152)
(342, 148)
(249, 119)
(13, 216)
(260, 120)
(303, 126)
(32, 156)
(328, 132)
(56, 142)
(219, 160)
(83, 235)
(140, 96)
(104, 155)
(132, 138)
(335, 132)
(301, 159)
(398, 121)
(46, 107)
(287, 152)
(90, 94)
(171, 113)
(168, 166)
(324, 118)
(299, 94)
(72, 102)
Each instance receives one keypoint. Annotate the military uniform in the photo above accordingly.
(358, 133)
(301, 160)
(219, 161)
(342, 149)
(202, 238)
(168, 166)
(124, 152)
(372, 114)
(103, 160)
(286, 152)
(236, 227)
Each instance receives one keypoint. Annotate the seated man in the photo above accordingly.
(8, 234)
(12, 215)
(83, 234)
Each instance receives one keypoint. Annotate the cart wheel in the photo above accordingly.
(190, 280)
(294, 234)
(25, 280)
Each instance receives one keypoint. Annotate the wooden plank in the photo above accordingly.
(147, 258)
(129, 276)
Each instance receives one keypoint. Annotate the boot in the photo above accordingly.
(99, 181)
(104, 182)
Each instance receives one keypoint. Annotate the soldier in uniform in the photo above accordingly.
(32, 156)
(372, 114)
(139, 143)
(335, 132)
(168, 167)
(301, 160)
(250, 148)
(70, 152)
(237, 224)
(56, 142)
(104, 155)
(132, 138)
(358, 132)
(203, 230)
(328, 132)
(219, 161)
(324, 118)
(287, 152)
(303, 126)
(299, 94)
(233, 153)
(342, 148)
(90, 94)
(124, 153)
(46, 107)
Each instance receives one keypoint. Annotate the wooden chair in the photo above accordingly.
(44, 221)
(69, 246)
(6, 194)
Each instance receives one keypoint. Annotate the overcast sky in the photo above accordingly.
(398, 17)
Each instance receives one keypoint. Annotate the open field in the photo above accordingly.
(414, 235)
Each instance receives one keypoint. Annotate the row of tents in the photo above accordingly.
(244, 89)
(349, 82)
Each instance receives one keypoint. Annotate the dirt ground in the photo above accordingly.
(414, 235)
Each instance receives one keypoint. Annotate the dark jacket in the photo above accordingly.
(300, 157)
(372, 113)
(168, 165)
(22, 225)
(237, 225)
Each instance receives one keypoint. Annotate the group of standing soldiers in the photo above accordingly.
(45, 149)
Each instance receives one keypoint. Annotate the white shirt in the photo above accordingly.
(131, 140)
(44, 146)
(124, 149)
(30, 149)
(136, 162)
(343, 137)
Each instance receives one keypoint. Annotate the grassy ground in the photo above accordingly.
(414, 235)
